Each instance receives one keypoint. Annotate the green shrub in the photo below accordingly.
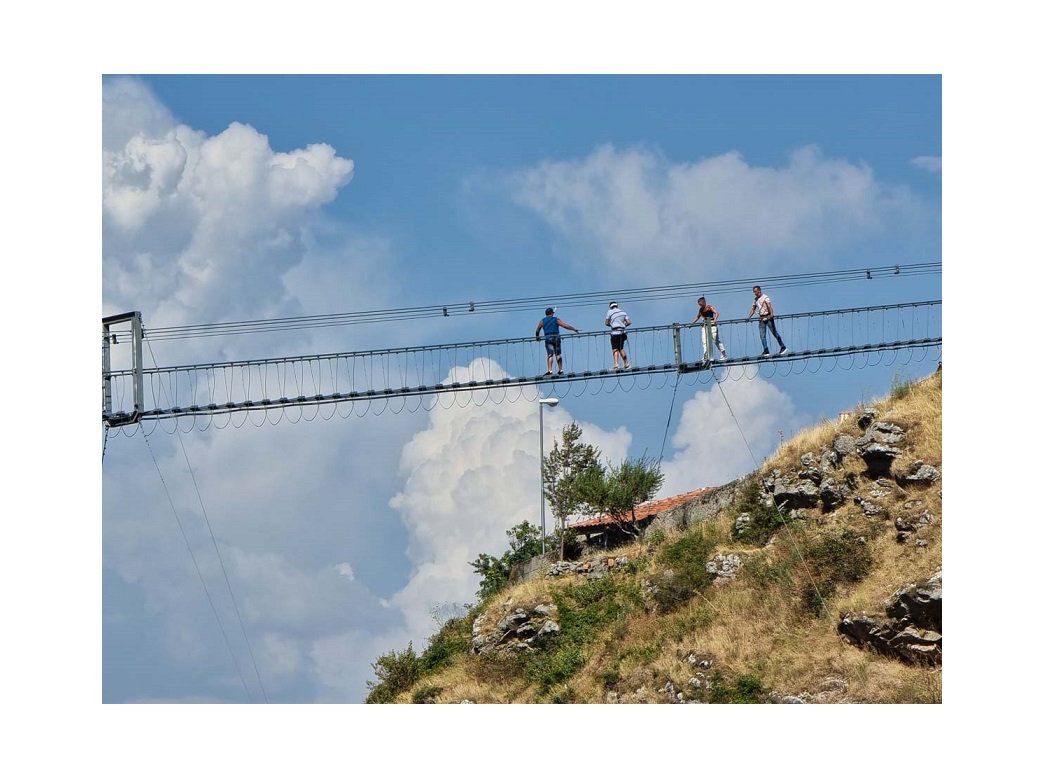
(396, 672)
(683, 571)
(844, 557)
(757, 569)
(610, 676)
(554, 666)
(687, 556)
(584, 609)
(833, 560)
(764, 519)
(426, 695)
(497, 668)
(642, 653)
(563, 697)
(743, 690)
(670, 591)
(454, 637)
(524, 543)
(583, 613)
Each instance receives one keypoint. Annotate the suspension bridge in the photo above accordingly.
(411, 378)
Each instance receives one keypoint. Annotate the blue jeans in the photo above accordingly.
(764, 325)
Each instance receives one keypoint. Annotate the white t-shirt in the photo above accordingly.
(617, 320)
(761, 305)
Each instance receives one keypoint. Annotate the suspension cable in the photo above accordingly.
(781, 511)
(199, 572)
(217, 551)
(591, 298)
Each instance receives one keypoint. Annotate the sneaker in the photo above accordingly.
(548, 374)
(614, 368)
(559, 373)
(722, 357)
(766, 352)
(783, 351)
(626, 366)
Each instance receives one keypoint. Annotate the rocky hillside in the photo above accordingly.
(817, 579)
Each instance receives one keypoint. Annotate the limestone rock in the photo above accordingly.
(913, 630)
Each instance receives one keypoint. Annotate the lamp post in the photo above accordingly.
(552, 401)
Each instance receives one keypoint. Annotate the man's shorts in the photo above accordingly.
(553, 345)
(618, 340)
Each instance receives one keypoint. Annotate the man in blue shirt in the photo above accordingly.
(551, 326)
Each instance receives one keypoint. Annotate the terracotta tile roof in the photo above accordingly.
(645, 510)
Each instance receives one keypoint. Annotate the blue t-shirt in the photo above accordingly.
(550, 326)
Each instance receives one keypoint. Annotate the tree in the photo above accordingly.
(615, 492)
(560, 469)
(524, 543)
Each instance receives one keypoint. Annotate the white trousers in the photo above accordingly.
(707, 339)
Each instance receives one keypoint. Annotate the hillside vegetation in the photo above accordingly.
(665, 625)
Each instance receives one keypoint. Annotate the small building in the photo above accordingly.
(604, 532)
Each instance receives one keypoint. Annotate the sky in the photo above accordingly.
(250, 197)
(344, 539)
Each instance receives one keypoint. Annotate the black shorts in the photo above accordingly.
(618, 340)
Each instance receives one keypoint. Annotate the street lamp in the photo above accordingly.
(552, 401)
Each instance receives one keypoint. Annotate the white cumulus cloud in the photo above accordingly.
(472, 474)
(643, 212)
(720, 438)
(201, 228)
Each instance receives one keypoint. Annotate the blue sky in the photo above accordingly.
(345, 539)
(421, 143)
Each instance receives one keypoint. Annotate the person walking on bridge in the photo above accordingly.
(551, 326)
(617, 321)
(709, 316)
(762, 306)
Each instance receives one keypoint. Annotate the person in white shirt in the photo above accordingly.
(762, 306)
(617, 321)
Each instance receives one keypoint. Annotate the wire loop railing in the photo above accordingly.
(305, 387)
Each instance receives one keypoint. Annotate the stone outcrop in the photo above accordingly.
(879, 458)
(723, 568)
(909, 522)
(788, 494)
(911, 628)
(520, 630)
(832, 692)
(820, 482)
(919, 473)
(877, 444)
(597, 568)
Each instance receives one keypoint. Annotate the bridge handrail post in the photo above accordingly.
(136, 324)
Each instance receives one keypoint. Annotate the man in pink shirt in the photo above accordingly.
(762, 306)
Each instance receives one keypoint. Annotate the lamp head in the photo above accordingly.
(551, 401)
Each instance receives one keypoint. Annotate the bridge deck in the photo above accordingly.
(508, 365)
